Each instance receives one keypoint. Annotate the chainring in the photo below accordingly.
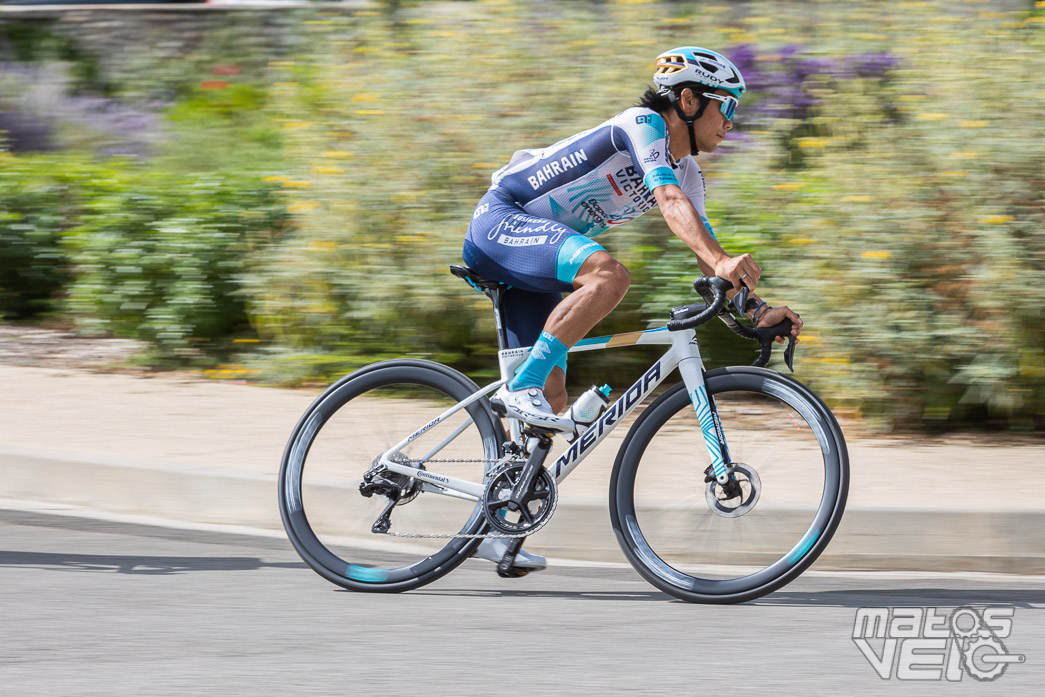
(537, 504)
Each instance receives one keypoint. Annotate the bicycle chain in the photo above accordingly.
(449, 536)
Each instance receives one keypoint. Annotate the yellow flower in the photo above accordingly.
(296, 125)
(964, 155)
(995, 219)
(297, 184)
(367, 97)
(857, 199)
(876, 254)
(931, 116)
(787, 186)
(974, 124)
(369, 112)
(337, 154)
(812, 142)
(327, 169)
(303, 206)
(274, 179)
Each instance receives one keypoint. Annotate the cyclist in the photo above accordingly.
(534, 228)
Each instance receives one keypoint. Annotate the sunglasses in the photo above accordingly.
(729, 104)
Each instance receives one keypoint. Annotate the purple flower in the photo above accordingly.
(871, 65)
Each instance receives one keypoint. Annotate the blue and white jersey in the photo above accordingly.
(601, 177)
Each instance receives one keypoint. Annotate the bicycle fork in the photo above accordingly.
(692, 371)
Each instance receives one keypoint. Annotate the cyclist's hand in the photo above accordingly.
(776, 315)
(737, 270)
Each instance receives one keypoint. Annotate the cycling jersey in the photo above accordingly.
(533, 228)
(601, 177)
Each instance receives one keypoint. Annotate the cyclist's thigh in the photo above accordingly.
(535, 254)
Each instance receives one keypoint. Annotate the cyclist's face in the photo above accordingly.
(711, 128)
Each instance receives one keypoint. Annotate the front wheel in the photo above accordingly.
(704, 543)
(333, 503)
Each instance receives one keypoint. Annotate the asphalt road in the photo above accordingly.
(91, 607)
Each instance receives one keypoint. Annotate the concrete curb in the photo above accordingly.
(869, 538)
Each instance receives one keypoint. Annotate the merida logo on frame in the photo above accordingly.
(616, 411)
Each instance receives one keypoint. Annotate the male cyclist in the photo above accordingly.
(534, 228)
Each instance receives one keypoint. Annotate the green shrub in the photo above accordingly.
(159, 257)
(35, 206)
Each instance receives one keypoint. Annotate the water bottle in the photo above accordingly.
(590, 405)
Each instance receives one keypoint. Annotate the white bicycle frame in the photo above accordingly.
(684, 354)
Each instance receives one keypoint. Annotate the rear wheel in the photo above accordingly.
(703, 542)
(330, 504)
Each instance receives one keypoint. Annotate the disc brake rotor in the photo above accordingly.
(721, 504)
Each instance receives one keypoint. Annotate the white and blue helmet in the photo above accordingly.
(691, 64)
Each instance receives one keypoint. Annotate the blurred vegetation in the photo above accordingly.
(886, 170)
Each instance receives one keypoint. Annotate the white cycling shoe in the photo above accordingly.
(493, 549)
(530, 406)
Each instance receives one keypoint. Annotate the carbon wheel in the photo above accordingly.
(330, 504)
(702, 543)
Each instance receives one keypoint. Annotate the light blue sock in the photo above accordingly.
(545, 355)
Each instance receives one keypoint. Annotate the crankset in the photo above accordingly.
(738, 496)
(519, 512)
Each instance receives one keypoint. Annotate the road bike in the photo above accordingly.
(726, 487)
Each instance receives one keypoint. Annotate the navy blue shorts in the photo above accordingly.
(538, 257)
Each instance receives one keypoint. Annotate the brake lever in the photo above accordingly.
(789, 353)
(767, 335)
(740, 300)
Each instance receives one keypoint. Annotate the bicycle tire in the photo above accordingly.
(662, 538)
(327, 518)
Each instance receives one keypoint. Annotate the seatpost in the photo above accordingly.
(495, 295)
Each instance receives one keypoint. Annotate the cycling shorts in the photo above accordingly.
(507, 244)
(537, 257)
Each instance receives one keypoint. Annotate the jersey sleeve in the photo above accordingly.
(643, 133)
(691, 181)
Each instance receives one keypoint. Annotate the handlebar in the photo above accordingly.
(713, 290)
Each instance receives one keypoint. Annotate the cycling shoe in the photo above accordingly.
(493, 549)
(530, 406)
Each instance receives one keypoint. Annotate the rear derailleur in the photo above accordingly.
(398, 488)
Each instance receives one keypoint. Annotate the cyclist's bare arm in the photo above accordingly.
(682, 218)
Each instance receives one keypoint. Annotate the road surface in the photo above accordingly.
(92, 607)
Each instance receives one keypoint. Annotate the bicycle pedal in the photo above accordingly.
(512, 572)
(497, 407)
